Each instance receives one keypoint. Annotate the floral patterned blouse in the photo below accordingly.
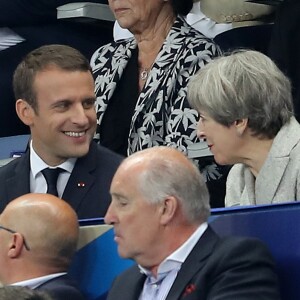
(162, 114)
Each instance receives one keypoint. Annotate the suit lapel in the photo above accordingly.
(276, 162)
(133, 280)
(136, 290)
(81, 179)
(19, 183)
(193, 264)
(267, 183)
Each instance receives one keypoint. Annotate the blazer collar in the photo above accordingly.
(81, 179)
(19, 183)
(286, 139)
(79, 183)
(277, 161)
(194, 262)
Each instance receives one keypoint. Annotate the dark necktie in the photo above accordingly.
(51, 176)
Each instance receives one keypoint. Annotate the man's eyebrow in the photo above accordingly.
(59, 101)
(118, 196)
(88, 99)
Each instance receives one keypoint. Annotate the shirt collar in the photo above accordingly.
(37, 164)
(175, 259)
(195, 15)
(35, 282)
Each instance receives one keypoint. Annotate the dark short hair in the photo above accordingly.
(61, 56)
(182, 7)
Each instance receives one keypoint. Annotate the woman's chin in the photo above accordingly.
(221, 160)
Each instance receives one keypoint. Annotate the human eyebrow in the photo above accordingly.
(120, 199)
(62, 103)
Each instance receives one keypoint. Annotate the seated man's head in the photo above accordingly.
(159, 198)
(38, 237)
(54, 91)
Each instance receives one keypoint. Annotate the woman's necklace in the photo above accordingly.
(144, 74)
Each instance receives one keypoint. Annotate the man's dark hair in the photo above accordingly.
(61, 56)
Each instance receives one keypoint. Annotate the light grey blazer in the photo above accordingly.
(279, 178)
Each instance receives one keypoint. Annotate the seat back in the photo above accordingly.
(278, 227)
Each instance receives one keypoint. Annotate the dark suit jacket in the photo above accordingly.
(35, 20)
(95, 170)
(62, 288)
(227, 269)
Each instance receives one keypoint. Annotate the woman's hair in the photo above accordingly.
(181, 7)
(244, 84)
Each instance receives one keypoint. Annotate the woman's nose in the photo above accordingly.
(200, 131)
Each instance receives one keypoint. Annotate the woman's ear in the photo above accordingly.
(168, 209)
(24, 111)
(240, 126)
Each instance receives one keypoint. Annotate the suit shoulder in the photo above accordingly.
(8, 168)
(108, 154)
(243, 247)
(62, 288)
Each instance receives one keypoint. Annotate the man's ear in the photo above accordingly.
(16, 245)
(24, 111)
(168, 209)
(240, 126)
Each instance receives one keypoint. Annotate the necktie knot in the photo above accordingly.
(51, 176)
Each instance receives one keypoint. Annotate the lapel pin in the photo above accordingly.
(80, 184)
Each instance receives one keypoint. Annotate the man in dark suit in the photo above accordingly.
(159, 215)
(38, 237)
(36, 22)
(55, 96)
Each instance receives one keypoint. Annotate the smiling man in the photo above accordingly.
(54, 92)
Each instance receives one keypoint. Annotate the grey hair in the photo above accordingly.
(244, 84)
(165, 177)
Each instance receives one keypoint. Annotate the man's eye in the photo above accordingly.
(88, 103)
(62, 105)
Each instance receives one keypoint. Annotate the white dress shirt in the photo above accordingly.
(158, 287)
(36, 282)
(37, 180)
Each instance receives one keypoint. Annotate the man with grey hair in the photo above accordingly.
(159, 210)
